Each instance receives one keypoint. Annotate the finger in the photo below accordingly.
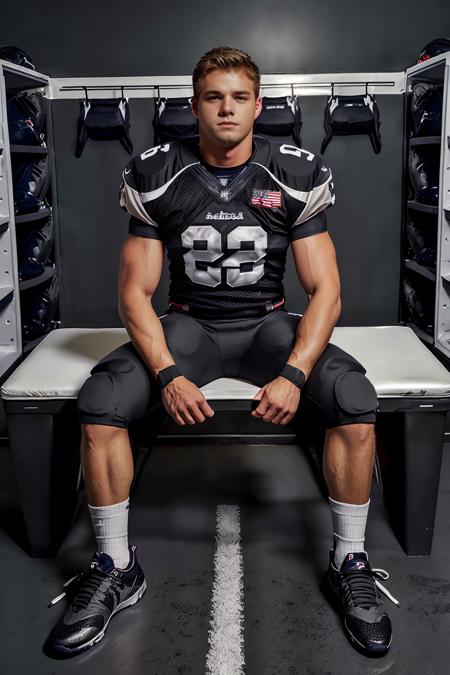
(271, 413)
(276, 419)
(197, 413)
(258, 396)
(206, 408)
(287, 419)
(175, 416)
(185, 414)
(261, 410)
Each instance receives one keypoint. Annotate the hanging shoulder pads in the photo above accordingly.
(349, 115)
(280, 116)
(174, 120)
(104, 120)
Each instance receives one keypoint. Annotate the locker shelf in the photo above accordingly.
(31, 283)
(420, 269)
(29, 149)
(417, 206)
(29, 217)
(425, 140)
(18, 78)
(428, 71)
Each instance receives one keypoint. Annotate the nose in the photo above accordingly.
(227, 106)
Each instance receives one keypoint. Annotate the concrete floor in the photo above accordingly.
(289, 627)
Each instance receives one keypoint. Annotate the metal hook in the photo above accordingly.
(122, 88)
(85, 93)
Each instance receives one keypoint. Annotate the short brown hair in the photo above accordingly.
(225, 58)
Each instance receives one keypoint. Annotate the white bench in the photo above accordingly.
(413, 390)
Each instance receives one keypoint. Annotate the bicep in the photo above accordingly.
(141, 261)
(316, 264)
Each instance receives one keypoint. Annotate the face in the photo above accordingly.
(226, 107)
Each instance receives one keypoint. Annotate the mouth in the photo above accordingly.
(227, 124)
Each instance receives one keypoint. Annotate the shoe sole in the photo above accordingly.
(374, 650)
(132, 600)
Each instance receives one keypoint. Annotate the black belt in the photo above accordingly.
(189, 309)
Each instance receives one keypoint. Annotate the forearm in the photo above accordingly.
(314, 330)
(145, 330)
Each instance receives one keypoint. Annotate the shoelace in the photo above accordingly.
(92, 582)
(359, 589)
(66, 585)
(379, 573)
(86, 593)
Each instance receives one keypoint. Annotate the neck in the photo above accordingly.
(226, 156)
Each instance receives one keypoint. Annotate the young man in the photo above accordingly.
(226, 206)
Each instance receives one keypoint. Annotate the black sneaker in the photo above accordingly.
(366, 623)
(95, 596)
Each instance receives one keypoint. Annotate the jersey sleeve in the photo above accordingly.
(319, 196)
(132, 199)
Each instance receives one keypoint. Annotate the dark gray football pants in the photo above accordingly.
(122, 390)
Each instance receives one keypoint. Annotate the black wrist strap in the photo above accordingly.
(294, 375)
(168, 374)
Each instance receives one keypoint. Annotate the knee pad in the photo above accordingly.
(99, 395)
(355, 394)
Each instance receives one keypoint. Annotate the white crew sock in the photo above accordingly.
(110, 525)
(349, 528)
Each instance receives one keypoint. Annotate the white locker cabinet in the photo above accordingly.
(14, 79)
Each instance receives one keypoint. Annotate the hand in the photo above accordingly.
(279, 401)
(184, 402)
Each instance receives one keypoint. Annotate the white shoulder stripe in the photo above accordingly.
(131, 201)
(319, 199)
(154, 194)
(296, 194)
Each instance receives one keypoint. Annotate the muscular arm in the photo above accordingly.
(315, 262)
(141, 263)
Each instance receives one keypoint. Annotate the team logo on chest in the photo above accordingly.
(224, 215)
(268, 199)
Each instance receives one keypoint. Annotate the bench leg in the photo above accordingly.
(46, 456)
(409, 446)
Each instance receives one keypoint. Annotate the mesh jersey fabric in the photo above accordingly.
(226, 246)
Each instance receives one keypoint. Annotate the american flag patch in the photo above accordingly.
(266, 198)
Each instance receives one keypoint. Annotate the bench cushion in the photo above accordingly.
(397, 363)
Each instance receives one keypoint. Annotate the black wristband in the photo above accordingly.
(294, 375)
(168, 374)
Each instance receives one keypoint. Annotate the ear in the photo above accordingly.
(194, 106)
(258, 108)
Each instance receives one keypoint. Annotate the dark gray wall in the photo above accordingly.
(144, 38)
(154, 37)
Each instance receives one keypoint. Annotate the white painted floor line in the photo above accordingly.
(226, 639)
